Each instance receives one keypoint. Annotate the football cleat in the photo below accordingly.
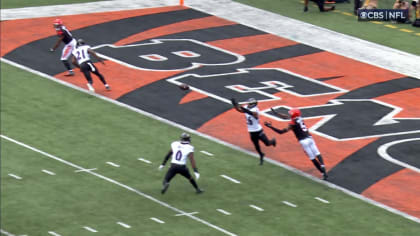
(165, 187)
(199, 191)
(90, 87)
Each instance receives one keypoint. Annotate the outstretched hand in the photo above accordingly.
(268, 124)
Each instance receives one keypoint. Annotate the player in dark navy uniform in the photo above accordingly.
(70, 43)
(302, 134)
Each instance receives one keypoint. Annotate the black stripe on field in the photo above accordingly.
(365, 167)
(37, 56)
(383, 88)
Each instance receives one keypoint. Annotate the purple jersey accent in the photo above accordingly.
(67, 37)
(299, 128)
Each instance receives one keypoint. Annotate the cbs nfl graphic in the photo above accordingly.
(382, 15)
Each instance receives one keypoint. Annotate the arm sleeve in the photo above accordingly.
(167, 157)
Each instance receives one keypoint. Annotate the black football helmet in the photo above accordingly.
(185, 138)
(252, 102)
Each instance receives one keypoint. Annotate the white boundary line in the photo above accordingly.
(294, 170)
(192, 213)
(157, 220)
(231, 179)
(121, 185)
(85, 170)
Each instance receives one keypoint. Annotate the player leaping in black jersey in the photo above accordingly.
(64, 36)
(302, 134)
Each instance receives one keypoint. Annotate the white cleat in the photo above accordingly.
(90, 87)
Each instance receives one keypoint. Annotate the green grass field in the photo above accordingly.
(344, 21)
(87, 132)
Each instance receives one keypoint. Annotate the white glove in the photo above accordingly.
(161, 167)
(197, 175)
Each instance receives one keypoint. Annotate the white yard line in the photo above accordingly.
(164, 204)
(192, 213)
(6, 233)
(207, 153)
(48, 172)
(144, 160)
(157, 220)
(85, 170)
(90, 229)
(322, 200)
(231, 179)
(289, 204)
(256, 208)
(224, 212)
(15, 176)
(112, 164)
(124, 225)
(53, 233)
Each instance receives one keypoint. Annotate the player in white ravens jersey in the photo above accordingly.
(64, 36)
(82, 60)
(180, 152)
(254, 128)
(302, 134)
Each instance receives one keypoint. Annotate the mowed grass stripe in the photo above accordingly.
(57, 113)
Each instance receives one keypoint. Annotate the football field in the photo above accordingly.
(77, 163)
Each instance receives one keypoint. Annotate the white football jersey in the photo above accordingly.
(81, 54)
(180, 152)
(252, 122)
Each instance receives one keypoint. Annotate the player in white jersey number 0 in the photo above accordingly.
(180, 152)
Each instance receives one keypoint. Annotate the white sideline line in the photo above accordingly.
(121, 185)
(144, 160)
(85, 170)
(192, 213)
(224, 212)
(289, 204)
(6, 233)
(15, 176)
(207, 153)
(124, 225)
(322, 200)
(53, 233)
(48, 172)
(112, 164)
(231, 179)
(90, 229)
(157, 220)
(256, 208)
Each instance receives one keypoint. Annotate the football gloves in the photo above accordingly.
(161, 167)
(234, 102)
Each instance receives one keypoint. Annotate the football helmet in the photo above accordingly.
(80, 42)
(252, 102)
(185, 138)
(294, 112)
(57, 22)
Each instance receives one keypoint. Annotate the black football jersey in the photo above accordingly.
(299, 128)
